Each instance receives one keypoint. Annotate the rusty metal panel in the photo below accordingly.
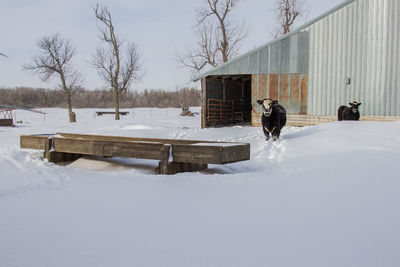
(295, 100)
(263, 86)
(284, 90)
(255, 92)
(274, 86)
(304, 95)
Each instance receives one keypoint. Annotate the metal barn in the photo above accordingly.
(350, 53)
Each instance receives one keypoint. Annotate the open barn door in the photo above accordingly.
(226, 100)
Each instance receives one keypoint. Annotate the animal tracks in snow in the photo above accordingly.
(277, 151)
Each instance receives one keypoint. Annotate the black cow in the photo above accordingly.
(273, 118)
(349, 113)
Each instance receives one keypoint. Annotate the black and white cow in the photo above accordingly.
(349, 113)
(273, 117)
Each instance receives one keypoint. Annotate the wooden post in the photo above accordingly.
(72, 117)
(223, 89)
(242, 103)
(203, 102)
(163, 165)
(47, 148)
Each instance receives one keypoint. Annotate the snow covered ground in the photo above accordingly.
(321, 196)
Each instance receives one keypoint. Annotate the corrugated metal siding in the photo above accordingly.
(360, 42)
(289, 55)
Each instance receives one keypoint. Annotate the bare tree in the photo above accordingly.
(3, 55)
(287, 11)
(218, 36)
(55, 60)
(119, 69)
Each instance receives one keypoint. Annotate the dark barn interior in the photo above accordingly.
(226, 100)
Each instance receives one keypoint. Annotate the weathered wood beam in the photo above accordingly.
(143, 150)
(163, 164)
(212, 154)
(131, 139)
(100, 113)
(34, 141)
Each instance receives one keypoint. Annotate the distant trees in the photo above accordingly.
(287, 11)
(218, 36)
(81, 98)
(54, 60)
(117, 67)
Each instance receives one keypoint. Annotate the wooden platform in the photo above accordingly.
(174, 155)
(100, 113)
(6, 117)
(6, 122)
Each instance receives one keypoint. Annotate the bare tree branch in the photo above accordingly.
(218, 37)
(287, 12)
(54, 59)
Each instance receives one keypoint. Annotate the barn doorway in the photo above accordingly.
(226, 100)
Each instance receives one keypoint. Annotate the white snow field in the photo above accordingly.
(326, 195)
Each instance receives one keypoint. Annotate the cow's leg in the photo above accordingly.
(266, 133)
(275, 133)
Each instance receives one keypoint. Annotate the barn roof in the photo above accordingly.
(226, 68)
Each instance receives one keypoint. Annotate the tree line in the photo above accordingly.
(82, 98)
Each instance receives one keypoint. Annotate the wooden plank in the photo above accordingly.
(34, 141)
(108, 149)
(237, 153)
(131, 139)
(211, 154)
(100, 113)
(6, 122)
(197, 154)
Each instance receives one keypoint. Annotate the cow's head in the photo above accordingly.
(354, 106)
(267, 104)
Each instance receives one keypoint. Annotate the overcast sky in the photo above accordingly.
(159, 28)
